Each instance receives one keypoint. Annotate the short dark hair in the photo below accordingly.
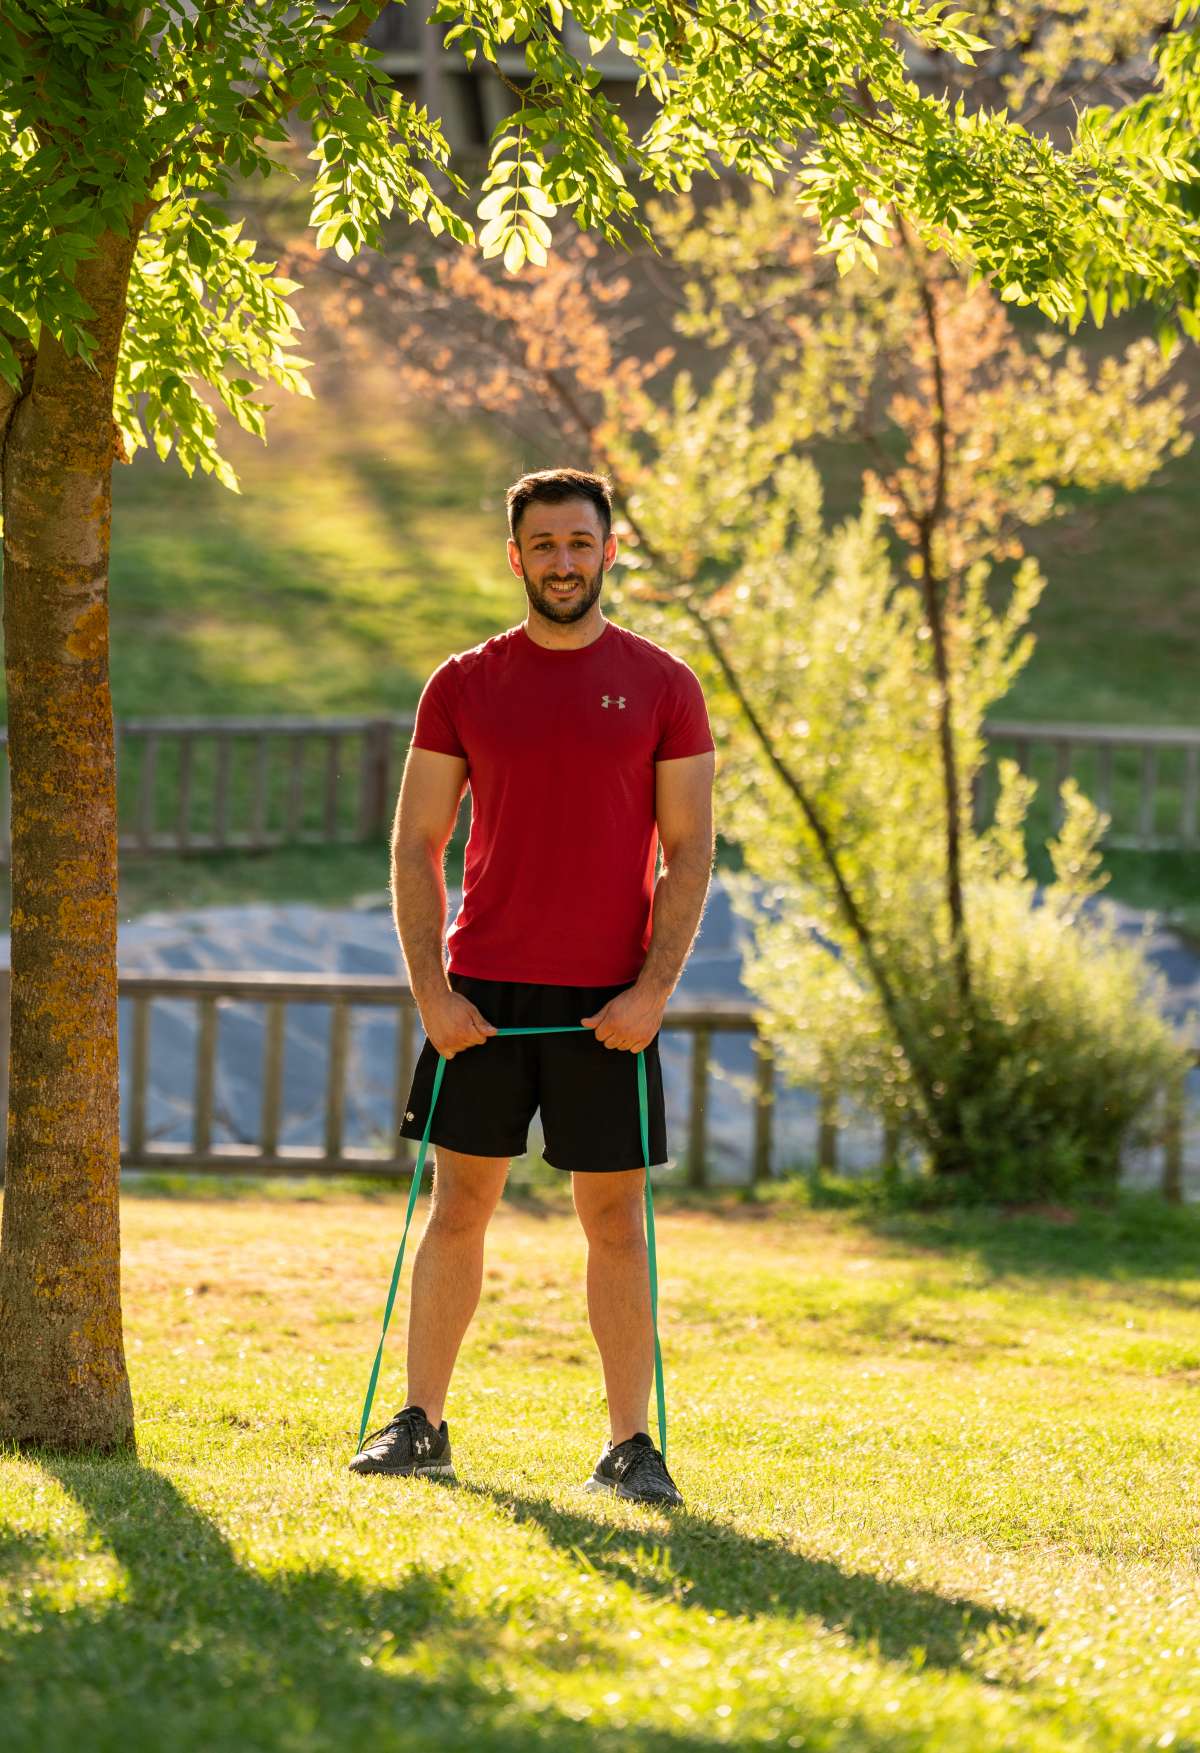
(552, 487)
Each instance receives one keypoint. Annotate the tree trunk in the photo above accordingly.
(63, 1381)
(951, 1155)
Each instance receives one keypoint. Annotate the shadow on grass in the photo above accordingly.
(201, 1651)
(707, 1565)
(198, 1650)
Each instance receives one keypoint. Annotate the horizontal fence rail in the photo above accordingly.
(1147, 778)
(207, 993)
(198, 785)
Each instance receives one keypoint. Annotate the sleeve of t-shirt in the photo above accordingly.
(435, 726)
(683, 726)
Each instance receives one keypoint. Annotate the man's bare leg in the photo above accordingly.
(448, 1271)
(618, 1292)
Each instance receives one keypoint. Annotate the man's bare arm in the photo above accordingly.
(683, 807)
(426, 810)
(430, 794)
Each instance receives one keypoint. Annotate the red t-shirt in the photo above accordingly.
(559, 873)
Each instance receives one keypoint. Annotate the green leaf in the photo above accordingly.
(536, 227)
(537, 201)
(495, 233)
(1167, 337)
(495, 203)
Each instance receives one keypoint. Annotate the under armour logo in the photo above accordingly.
(609, 700)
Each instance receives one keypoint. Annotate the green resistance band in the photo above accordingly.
(644, 1121)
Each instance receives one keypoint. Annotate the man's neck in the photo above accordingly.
(570, 638)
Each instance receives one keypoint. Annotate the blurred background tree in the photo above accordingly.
(902, 959)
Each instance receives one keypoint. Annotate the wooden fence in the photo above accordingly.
(333, 1156)
(1146, 778)
(395, 1156)
(196, 785)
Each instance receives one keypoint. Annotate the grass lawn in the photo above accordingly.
(366, 543)
(941, 1478)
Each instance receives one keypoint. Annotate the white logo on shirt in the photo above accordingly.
(610, 700)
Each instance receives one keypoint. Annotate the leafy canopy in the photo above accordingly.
(117, 115)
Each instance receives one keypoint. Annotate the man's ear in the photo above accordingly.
(514, 558)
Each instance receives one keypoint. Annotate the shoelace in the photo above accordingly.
(643, 1465)
(410, 1417)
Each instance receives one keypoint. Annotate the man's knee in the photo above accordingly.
(466, 1191)
(611, 1212)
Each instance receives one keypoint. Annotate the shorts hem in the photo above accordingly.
(599, 1169)
(466, 1149)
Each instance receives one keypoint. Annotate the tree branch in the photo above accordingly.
(931, 515)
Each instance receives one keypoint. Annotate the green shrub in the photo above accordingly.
(1068, 1054)
(1020, 1052)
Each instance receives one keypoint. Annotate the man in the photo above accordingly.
(585, 747)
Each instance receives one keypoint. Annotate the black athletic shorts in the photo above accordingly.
(588, 1093)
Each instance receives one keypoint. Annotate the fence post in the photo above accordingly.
(827, 1132)
(698, 1116)
(272, 1077)
(979, 795)
(375, 800)
(891, 1155)
(139, 1078)
(1147, 799)
(764, 1110)
(335, 1087)
(206, 1064)
(1172, 1180)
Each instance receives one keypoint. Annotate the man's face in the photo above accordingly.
(561, 555)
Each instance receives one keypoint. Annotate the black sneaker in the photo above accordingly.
(636, 1470)
(407, 1444)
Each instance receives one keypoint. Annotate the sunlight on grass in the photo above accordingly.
(940, 1478)
(366, 543)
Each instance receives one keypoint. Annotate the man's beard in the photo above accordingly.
(562, 614)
